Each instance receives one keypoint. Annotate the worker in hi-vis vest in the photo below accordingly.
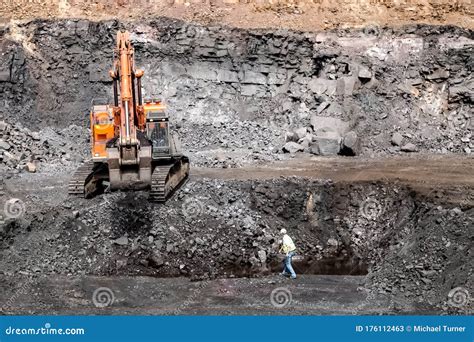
(287, 247)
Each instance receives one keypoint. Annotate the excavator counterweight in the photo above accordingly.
(132, 145)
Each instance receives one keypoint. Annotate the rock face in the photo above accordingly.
(241, 90)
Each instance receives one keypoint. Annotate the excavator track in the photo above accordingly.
(84, 181)
(167, 177)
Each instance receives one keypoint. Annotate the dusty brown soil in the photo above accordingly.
(296, 15)
(428, 174)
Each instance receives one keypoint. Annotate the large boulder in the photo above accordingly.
(292, 147)
(306, 141)
(300, 132)
(365, 74)
(291, 136)
(326, 144)
(30, 167)
(350, 144)
(4, 145)
(397, 139)
(409, 148)
(325, 124)
(318, 86)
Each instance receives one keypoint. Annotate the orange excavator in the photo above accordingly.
(132, 145)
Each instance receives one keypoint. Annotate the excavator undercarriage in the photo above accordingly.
(132, 146)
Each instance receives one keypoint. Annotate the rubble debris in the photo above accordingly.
(351, 144)
(409, 147)
(292, 147)
(397, 139)
(23, 150)
(30, 167)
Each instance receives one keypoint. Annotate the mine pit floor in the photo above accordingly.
(308, 294)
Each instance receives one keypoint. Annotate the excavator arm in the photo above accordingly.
(128, 99)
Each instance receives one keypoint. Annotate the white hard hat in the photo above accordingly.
(283, 231)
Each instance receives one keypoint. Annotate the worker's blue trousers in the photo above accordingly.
(288, 268)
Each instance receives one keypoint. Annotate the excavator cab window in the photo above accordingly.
(102, 120)
(158, 134)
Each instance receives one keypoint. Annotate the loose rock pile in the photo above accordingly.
(326, 136)
(433, 257)
(24, 150)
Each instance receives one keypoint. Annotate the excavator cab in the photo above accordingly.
(157, 129)
(102, 128)
(158, 133)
